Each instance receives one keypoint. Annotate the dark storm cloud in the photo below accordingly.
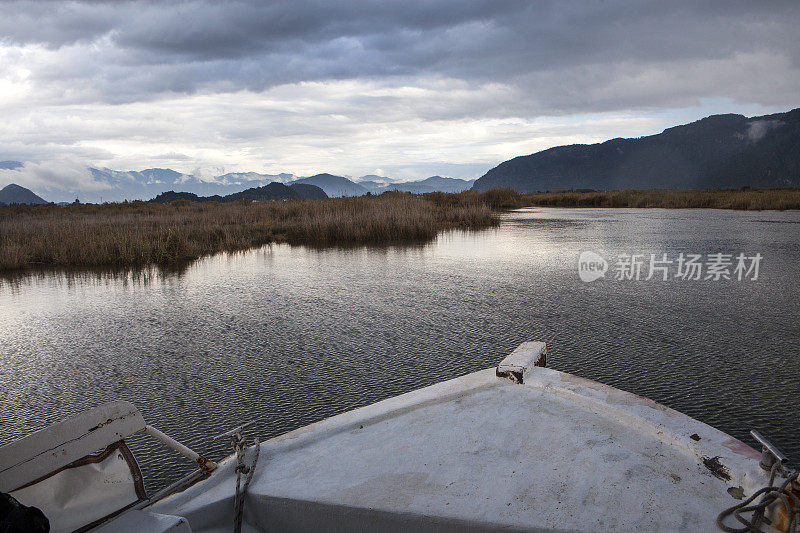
(409, 87)
(566, 56)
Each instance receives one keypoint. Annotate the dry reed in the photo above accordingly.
(749, 199)
(136, 234)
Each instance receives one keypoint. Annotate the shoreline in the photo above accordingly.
(735, 199)
(133, 235)
(140, 234)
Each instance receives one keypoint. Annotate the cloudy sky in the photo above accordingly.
(406, 89)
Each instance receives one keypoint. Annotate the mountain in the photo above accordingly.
(14, 194)
(272, 191)
(720, 151)
(172, 196)
(375, 184)
(306, 190)
(448, 184)
(380, 179)
(433, 184)
(116, 185)
(277, 191)
(238, 178)
(373, 187)
(334, 186)
(150, 182)
(378, 185)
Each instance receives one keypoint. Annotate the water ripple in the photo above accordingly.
(288, 335)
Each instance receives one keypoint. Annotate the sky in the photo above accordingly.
(406, 89)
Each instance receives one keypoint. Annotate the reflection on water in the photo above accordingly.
(289, 335)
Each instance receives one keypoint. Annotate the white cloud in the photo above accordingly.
(756, 130)
(62, 174)
(415, 88)
(342, 127)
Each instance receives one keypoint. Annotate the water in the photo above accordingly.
(290, 335)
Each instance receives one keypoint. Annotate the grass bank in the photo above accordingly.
(751, 199)
(137, 234)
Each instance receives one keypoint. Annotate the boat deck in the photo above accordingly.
(481, 453)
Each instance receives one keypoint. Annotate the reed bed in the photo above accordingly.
(749, 199)
(137, 234)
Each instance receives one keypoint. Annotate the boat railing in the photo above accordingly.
(87, 455)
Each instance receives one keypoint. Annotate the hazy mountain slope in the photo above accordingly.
(772, 161)
(432, 184)
(720, 151)
(148, 183)
(448, 184)
(238, 178)
(379, 179)
(377, 185)
(14, 194)
(334, 185)
(374, 187)
(117, 185)
(271, 191)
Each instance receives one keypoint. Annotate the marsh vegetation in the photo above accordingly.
(138, 234)
(135, 234)
(746, 199)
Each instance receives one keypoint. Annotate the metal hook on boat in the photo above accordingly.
(770, 454)
(236, 432)
(779, 503)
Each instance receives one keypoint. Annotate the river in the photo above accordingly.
(290, 335)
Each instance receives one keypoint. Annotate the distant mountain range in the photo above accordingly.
(432, 184)
(272, 191)
(149, 183)
(341, 186)
(334, 185)
(720, 151)
(146, 184)
(14, 194)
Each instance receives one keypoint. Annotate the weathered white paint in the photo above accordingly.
(142, 521)
(481, 453)
(75, 497)
(51, 448)
(476, 453)
(206, 465)
(33, 469)
(527, 356)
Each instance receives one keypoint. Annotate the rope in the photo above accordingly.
(241, 468)
(769, 494)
